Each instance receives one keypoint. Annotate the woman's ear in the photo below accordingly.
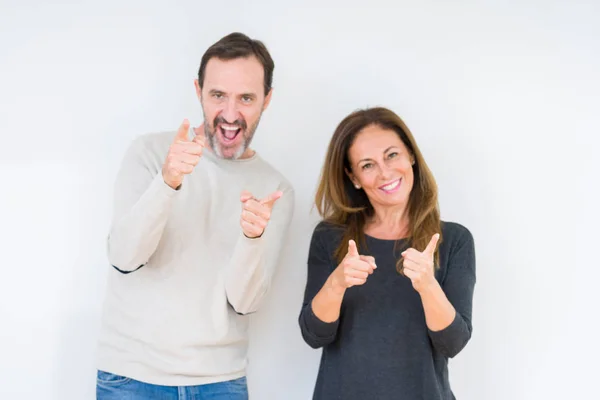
(352, 178)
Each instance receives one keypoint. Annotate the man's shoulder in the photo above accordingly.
(158, 142)
(149, 148)
(267, 169)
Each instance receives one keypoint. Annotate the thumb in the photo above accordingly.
(199, 135)
(430, 249)
(352, 250)
(182, 132)
(245, 196)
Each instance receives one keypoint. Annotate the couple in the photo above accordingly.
(199, 221)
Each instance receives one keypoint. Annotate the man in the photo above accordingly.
(199, 219)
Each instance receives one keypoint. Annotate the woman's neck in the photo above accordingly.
(388, 223)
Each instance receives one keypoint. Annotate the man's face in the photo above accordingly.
(232, 99)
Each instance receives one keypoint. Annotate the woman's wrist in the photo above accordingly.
(335, 288)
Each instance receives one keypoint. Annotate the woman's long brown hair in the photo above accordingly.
(340, 203)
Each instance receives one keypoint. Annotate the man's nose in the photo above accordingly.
(230, 111)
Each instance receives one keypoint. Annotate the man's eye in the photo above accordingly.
(218, 95)
(246, 99)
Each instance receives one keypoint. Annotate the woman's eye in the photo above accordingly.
(367, 166)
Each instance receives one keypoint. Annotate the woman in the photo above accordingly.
(390, 286)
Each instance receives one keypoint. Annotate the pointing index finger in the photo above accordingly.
(272, 198)
(182, 132)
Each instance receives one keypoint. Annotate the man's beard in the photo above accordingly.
(216, 145)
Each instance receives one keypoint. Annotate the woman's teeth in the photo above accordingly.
(392, 185)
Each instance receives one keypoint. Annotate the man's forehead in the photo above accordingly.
(240, 75)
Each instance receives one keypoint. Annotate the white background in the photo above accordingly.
(502, 97)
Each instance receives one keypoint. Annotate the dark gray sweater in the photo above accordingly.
(381, 348)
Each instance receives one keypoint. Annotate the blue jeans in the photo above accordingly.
(114, 387)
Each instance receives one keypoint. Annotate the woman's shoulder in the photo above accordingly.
(328, 232)
(326, 225)
(454, 231)
(455, 236)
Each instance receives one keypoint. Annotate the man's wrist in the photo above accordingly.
(252, 237)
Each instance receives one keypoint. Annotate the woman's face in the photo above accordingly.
(382, 166)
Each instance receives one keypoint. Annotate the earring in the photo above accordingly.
(357, 186)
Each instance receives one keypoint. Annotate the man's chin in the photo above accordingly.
(230, 153)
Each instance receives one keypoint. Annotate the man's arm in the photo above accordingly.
(252, 265)
(141, 204)
(143, 199)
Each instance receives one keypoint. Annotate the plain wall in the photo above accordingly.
(503, 100)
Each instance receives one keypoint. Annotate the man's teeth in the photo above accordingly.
(392, 185)
(230, 131)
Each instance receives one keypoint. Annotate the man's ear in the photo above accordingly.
(198, 89)
(267, 99)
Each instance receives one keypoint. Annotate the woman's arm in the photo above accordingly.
(325, 290)
(447, 306)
